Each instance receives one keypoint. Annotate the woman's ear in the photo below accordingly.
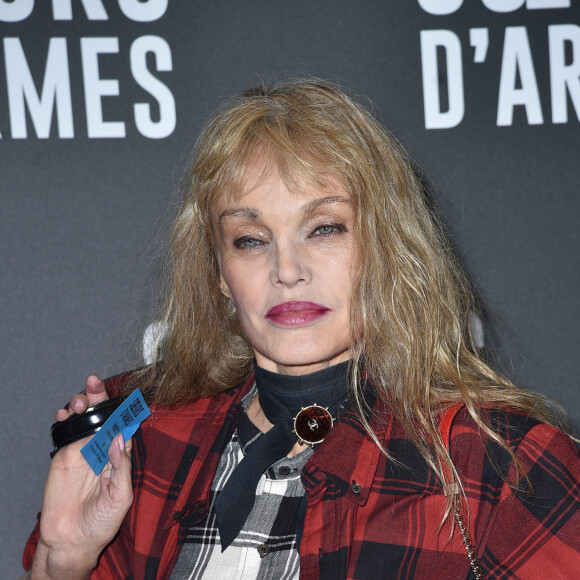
(224, 288)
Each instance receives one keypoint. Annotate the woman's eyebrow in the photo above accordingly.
(316, 204)
(239, 212)
(310, 207)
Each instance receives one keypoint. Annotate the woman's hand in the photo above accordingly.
(95, 392)
(81, 512)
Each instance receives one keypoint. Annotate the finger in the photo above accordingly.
(116, 451)
(77, 404)
(119, 450)
(62, 414)
(120, 474)
(95, 390)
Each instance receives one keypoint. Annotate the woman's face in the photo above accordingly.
(287, 261)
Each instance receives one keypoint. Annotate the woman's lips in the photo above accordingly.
(296, 313)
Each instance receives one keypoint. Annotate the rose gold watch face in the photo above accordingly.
(312, 424)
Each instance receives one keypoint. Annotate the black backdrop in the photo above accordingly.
(100, 102)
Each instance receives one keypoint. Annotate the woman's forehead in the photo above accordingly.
(264, 171)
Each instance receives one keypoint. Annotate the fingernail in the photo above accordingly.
(121, 443)
(77, 405)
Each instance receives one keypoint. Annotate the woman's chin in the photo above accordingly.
(301, 363)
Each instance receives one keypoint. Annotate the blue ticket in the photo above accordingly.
(126, 420)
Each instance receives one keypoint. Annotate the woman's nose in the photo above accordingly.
(290, 265)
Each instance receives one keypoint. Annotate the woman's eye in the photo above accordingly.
(246, 242)
(328, 229)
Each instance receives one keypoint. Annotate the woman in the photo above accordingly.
(308, 270)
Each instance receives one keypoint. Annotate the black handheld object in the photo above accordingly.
(83, 425)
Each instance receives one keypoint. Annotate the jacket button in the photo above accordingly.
(356, 488)
(263, 549)
(199, 507)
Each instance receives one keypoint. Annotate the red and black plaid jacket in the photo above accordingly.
(366, 517)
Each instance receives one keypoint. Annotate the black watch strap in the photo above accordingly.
(82, 425)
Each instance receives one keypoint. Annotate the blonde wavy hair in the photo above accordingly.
(411, 301)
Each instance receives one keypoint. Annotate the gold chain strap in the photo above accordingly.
(469, 547)
(445, 424)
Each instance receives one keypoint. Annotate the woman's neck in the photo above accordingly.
(305, 388)
(299, 369)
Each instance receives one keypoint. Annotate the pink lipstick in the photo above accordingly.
(296, 313)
